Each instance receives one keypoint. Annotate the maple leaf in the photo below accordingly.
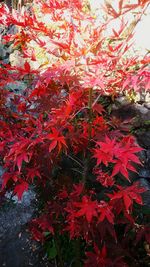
(19, 152)
(5, 178)
(32, 173)
(57, 140)
(87, 208)
(72, 223)
(9, 176)
(20, 189)
(44, 223)
(63, 194)
(98, 108)
(97, 258)
(128, 195)
(20, 158)
(37, 235)
(41, 225)
(105, 151)
(125, 155)
(27, 67)
(105, 212)
(110, 10)
(104, 178)
(100, 124)
(122, 154)
(77, 190)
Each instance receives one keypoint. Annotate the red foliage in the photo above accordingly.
(61, 117)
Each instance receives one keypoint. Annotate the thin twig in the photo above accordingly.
(75, 161)
(96, 100)
(76, 170)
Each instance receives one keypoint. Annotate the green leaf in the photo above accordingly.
(51, 252)
(46, 234)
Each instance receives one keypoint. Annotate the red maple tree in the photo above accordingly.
(57, 133)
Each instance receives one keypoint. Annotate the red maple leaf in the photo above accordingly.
(19, 152)
(97, 258)
(125, 155)
(128, 195)
(104, 178)
(105, 212)
(20, 189)
(105, 151)
(122, 154)
(77, 190)
(87, 208)
(72, 224)
(32, 173)
(57, 140)
(6, 177)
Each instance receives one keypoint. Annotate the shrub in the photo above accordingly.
(58, 133)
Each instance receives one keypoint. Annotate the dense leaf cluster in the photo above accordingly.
(58, 133)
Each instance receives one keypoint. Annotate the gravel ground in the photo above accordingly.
(16, 247)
